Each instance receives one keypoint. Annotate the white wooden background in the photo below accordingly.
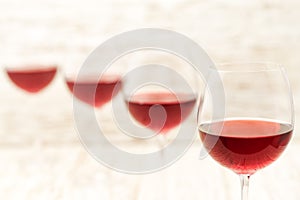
(41, 155)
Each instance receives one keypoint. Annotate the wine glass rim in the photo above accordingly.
(266, 119)
(241, 67)
(31, 67)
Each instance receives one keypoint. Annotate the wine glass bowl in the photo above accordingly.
(246, 145)
(31, 78)
(153, 107)
(258, 120)
(93, 90)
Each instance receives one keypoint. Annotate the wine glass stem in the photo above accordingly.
(244, 185)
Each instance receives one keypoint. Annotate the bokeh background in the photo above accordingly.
(41, 155)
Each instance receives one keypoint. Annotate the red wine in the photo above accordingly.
(95, 92)
(246, 146)
(32, 78)
(177, 108)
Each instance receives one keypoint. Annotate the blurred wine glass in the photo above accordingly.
(94, 91)
(159, 97)
(31, 76)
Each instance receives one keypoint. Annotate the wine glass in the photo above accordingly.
(258, 120)
(32, 78)
(94, 91)
(159, 98)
